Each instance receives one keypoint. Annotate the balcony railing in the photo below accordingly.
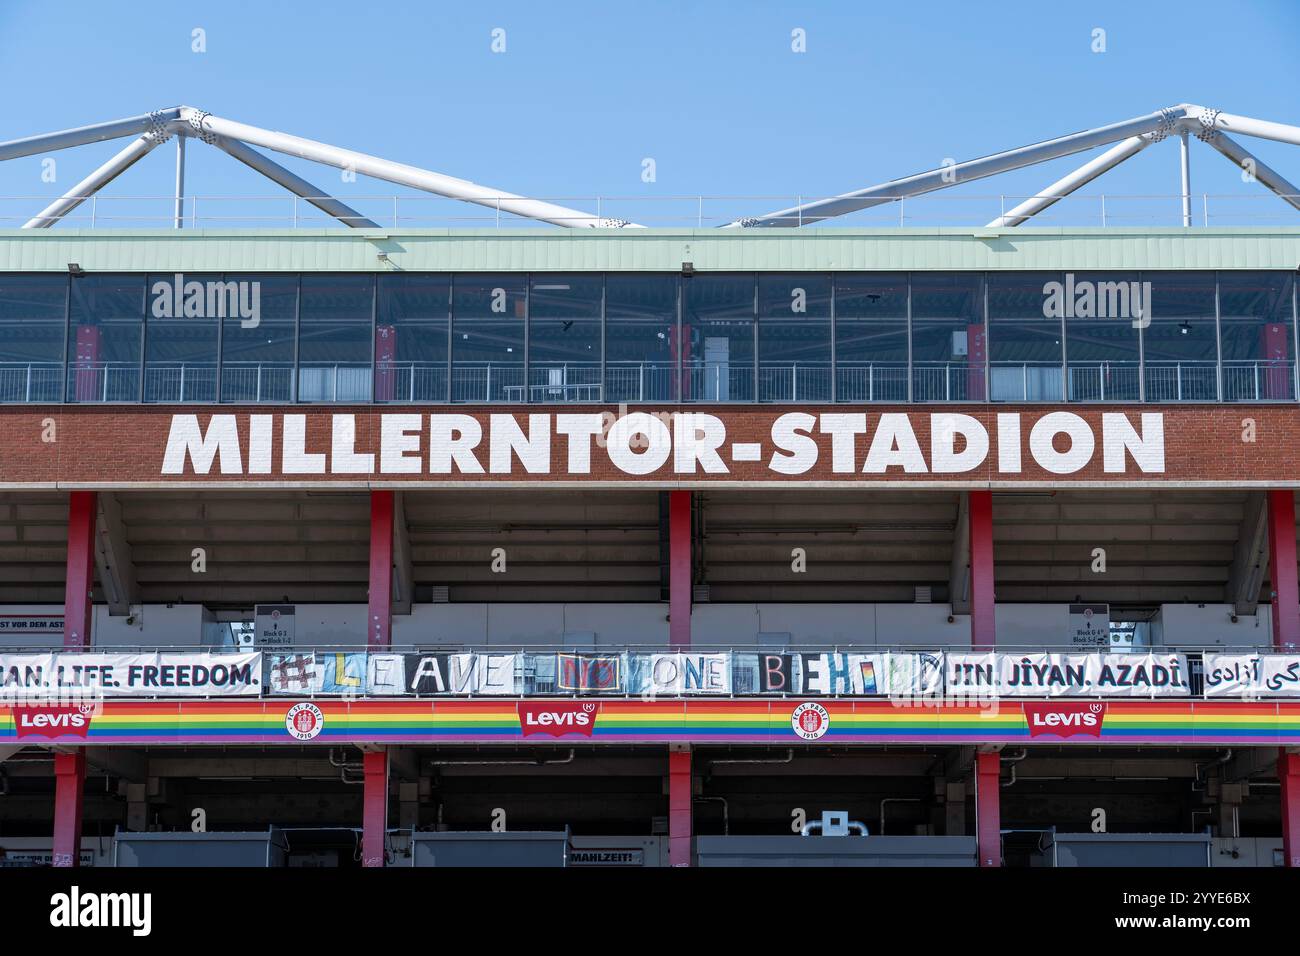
(585, 382)
(778, 382)
(31, 381)
(1103, 382)
(872, 382)
(640, 382)
(257, 382)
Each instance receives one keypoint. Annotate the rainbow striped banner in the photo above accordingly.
(537, 720)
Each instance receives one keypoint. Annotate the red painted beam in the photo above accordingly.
(70, 767)
(983, 618)
(69, 790)
(1286, 637)
(988, 808)
(83, 509)
(1288, 774)
(1282, 570)
(679, 807)
(679, 570)
(380, 612)
(374, 827)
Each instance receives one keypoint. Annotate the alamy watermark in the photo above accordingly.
(175, 298)
(1085, 299)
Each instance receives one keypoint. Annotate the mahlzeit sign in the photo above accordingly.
(715, 445)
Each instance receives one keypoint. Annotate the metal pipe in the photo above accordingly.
(889, 800)
(423, 179)
(1161, 121)
(1072, 181)
(105, 174)
(1265, 174)
(97, 133)
(294, 183)
(726, 813)
(1247, 126)
(1185, 165)
(789, 758)
(502, 763)
(180, 184)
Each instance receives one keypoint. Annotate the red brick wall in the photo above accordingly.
(119, 445)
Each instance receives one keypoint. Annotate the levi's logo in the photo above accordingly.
(1064, 719)
(556, 719)
(67, 721)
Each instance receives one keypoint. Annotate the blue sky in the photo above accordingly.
(711, 91)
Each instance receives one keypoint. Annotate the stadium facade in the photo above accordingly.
(650, 546)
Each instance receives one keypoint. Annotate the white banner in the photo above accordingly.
(24, 674)
(1252, 675)
(1139, 675)
(157, 674)
(1065, 675)
(914, 674)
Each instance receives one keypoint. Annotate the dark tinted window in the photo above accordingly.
(33, 319)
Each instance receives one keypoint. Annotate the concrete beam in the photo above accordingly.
(1250, 762)
(959, 575)
(1250, 561)
(403, 579)
(403, 764)
(267, 767)
(113, 557)
(118, 762)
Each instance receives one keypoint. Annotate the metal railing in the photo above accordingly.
(794, 383)
(718, 382)
(31, 381)
(1103, 381)
(700, 211)
(640, 382)
(872, 382)
(549, 383)
(257, 382)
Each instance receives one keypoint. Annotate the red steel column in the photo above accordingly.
(1282, 570)
(374, 823)
(82, 511)
(679, 570)
(988, 809)
(380, 615)
(69, 787)
(374, 827)
(679, 806)
(1288, 774)
(70, 767)
(1286, 637)
(983, 622)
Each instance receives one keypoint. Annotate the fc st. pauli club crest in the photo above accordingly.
(304, 721)
(810, 721)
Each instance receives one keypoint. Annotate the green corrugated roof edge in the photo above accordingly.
(648, 250)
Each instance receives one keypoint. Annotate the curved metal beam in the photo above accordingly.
(1160, 123)
(1069, 183)
(295, 184)
(1245, 125)
(206, 125)
(1265, 174)
(114, 129)
(105, 174)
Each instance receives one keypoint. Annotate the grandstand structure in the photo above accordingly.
(616, 544)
